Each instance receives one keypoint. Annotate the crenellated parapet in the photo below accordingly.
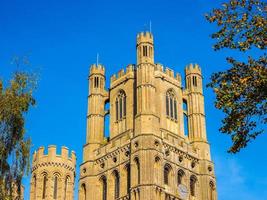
(157, 146)
(53, 174)
(145, 48)
(193, 69)
(122, 75)
(167, 73)
(40, 156)
(97, 69)
(144, 37)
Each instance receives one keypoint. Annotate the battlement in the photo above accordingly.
(129, 69)
(96, 69)
(192, 69)
(168, 72)
(145, 37)
(52, 155)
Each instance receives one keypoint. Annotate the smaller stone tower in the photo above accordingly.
(196, 115)
(96, 109)
(145, 48)
(53, 175)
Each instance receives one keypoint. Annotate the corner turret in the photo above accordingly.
(97, 79)
(145, 48)
(194, 78)
(97, 99)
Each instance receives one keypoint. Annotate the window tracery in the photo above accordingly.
(171, 105)
(120, 105)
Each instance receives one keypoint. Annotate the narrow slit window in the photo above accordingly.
(128, 178)
(167, 105)
(84, 192)
(34, 191)
(166, 174)
(180, 177)
(66, 188)
(143, 50)
(171, 108)
(120, 108)
(44, 186)
(185, 117)
(124, 106)
(193, 181)
(117, 110)
(195, 81)
(117, 185)
(212, 189)
(104, 188)
(97, 82)
(138, 170)
(175, 109)
(55, 187)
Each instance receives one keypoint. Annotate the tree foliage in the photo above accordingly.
(241, 91)
(16, 98)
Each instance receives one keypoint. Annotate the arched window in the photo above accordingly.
(83, 188)
(188, 82)
(128, 172)
(194, 81)
(66, 187)
(117, 184)
(211, 192)
(171, 105)
(185, 116)
(138, 169)
(120, 106)
(193, 181)
(55, 187)
(104, 188)
(34, 187)
(166, 173)
(44, 185)
(180, 176)
(145, 51)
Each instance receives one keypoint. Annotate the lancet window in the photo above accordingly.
(117, 184)
(166, 173)
(55, 186)
(120, 106)
(44, 186)
(171, 105)
(193, 181)
(104, 188)
(180, 177)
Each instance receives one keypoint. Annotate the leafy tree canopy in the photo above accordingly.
(16, 98)
(241, 91)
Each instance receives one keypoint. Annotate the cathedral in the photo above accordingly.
(157, 147)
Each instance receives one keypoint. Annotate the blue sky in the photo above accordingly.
(62, 39)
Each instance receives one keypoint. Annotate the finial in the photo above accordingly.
(97, 58)
(150, 26)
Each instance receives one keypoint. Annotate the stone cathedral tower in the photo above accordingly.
(158, 148)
